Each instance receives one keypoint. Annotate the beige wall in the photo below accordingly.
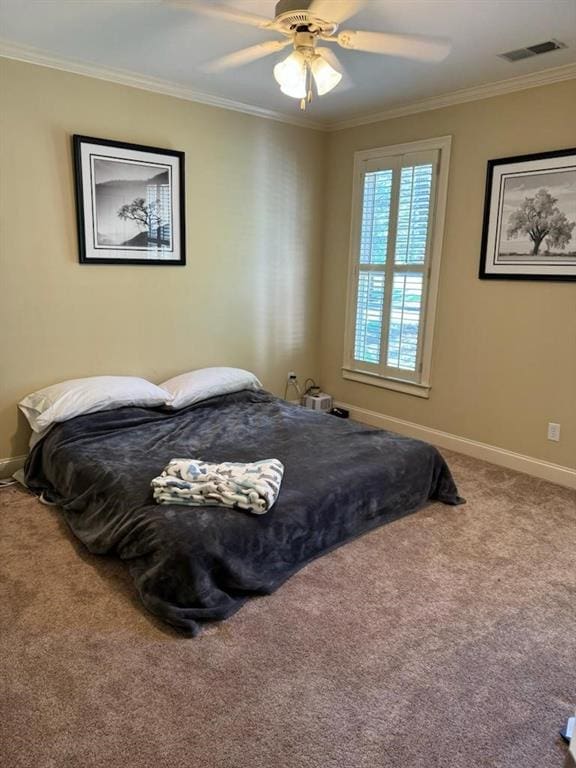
(250, 294)
(504, 361)
(505, 352)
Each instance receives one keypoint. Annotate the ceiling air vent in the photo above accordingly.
(532, 50)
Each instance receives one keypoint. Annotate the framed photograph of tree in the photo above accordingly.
(129, 203)
(530, 218)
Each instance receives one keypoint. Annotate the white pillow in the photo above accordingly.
(75, 397)
(199, 385)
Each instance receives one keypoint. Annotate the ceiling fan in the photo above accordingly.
(303, 23)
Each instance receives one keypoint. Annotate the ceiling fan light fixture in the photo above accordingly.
(325, 76)
(290, 75)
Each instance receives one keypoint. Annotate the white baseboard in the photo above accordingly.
(11, 465)
(554, 473)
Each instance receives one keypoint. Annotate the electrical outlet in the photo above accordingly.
(291, 376)
(554, 432)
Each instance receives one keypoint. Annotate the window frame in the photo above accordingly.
(419, 382)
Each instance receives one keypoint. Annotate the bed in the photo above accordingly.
(197, 564)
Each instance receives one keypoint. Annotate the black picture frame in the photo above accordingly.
(524, 170)
(165, 245)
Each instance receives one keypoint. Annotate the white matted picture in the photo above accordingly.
(530, 217)
(130, 203)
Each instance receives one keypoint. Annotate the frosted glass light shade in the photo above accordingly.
(325, 76)
(290, 74)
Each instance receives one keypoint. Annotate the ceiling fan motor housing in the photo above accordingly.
(292, 16)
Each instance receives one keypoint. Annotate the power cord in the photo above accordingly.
(311, 388)
(292, 381)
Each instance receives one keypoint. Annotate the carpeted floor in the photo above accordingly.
(446, 639)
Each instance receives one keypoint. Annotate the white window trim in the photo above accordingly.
(422, 387)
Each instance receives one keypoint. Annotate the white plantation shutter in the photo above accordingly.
(391, 260)
(404, 321)
(368, 336)
(371, 275)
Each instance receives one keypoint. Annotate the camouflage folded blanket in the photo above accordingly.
(253, 487)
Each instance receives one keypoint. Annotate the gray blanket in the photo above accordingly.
(201, 563)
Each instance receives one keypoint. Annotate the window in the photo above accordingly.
(399, 199)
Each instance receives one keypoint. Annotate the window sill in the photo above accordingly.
(407, 387)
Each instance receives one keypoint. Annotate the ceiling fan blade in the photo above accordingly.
(245, 56)
(335, 10)
(226, 12)
(419, 47)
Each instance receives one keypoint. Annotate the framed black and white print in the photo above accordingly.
(530, 217)
(129, 203)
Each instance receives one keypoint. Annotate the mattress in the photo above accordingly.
(197, 564)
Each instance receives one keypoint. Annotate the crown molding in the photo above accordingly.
(476, 93)
(26, 53)
(31, 55)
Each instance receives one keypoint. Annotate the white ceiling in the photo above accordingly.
(154, 40)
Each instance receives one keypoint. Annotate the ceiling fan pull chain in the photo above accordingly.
(305, 100)
(308, 98)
